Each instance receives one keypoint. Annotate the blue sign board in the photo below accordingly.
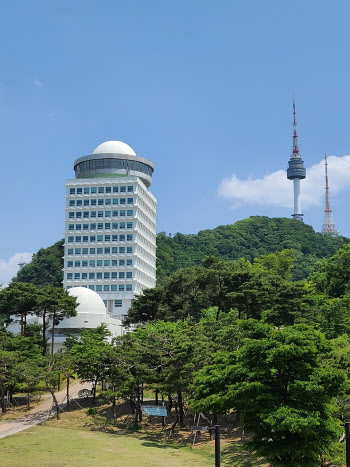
(154, 410)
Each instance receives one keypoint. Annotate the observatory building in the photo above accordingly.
(110, 226)
(296, 171)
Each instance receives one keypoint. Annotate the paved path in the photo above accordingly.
(40, 413)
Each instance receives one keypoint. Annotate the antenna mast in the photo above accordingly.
(328, 226)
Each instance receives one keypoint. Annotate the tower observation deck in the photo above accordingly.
(296, 171)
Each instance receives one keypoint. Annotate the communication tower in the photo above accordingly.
(328, 226)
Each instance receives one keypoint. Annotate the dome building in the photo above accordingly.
(91, 313)
(110, 226)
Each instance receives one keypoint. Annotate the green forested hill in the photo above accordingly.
(248, 238)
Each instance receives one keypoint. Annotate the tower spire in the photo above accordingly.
(328, 226)
(296, 170)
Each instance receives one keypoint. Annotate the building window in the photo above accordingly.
(91, 287)
(129, 237)
(100, 226)
(108, 226)
(91, 275)
(122, 275)
(70, 251)
(69, 276)
(108, 189)
(114, 250)
(114, 288)
(93, 214)
(121, 287)
(118, 303)
(77, 275)
(92, 251)
(129, 262)
(128, 287)
(122, 200)
(115, 213)
(129, 225)
(107, 238)
(100, 202)
(130, 189)
(130, 200)
(71, 227)
(106, 262)
(72, 202)
(115, 200)
(108, 202)
(86, 214)
(77, 264)
(92, 238)
(106, 275)
(108, 214)
(79, 202)
(100, 238)
(114, 238)
(115, 189)
(122, 262)
(123, 189)
(115, 225)
(114, 275)
(122, 249)
(84, 263)
(71, 215)
(85, 226)
(122, 225)
(93, 190)
(79, 191)
(85, 239)
(129, 275)
(101, 189)
(85, 251)
(86, 202)
(99, 263)
(98, 288)
(92, 263)
(107, 250)
(99, 251)
(114, 262)
(78, 215)
(129, 212)
(100, 214)
(84, 275)
(99, 275)
(72, 191)
(70, 239)
(86, 191)
(93, 202)
(122, 213)
(78, 226)
(106, 288)
(78, 239)
(129, 249)
(69, 264)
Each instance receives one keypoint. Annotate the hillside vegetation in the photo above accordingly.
(248, 238)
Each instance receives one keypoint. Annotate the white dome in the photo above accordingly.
(114, 147)
(88, 301)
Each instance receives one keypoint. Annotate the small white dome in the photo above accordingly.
(88, 301)
(114, 147)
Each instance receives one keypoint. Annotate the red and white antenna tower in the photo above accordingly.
(328, 226)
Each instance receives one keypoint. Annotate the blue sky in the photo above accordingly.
(202, 88)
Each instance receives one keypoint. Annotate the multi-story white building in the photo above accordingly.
(110, 226)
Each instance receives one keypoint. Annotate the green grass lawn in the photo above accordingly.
(48, 445)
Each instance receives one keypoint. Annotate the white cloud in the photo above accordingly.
(276, 190)
(8, 269)
(37, 82)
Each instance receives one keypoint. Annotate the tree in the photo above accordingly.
(19, 299)
(285, 398)
(55, 303)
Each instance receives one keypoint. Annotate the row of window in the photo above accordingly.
(101, 189)
(100, 238)
(92, 263)
(107, 288)
(99, 275)
(100, 202)
(100, 251)
(101, 226)
(126, 164)
(93, 214)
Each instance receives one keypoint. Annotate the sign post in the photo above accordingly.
(215, 428)
(155, 410)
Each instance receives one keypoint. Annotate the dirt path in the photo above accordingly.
(40, 413)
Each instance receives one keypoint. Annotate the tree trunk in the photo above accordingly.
(44, 333)
(25, 325)
(53, 331)
(3, 399)
(157, 401)
(170, 399)
(58, 410)
(22, 324)
(28, 401)
(68, 402)
(114, 409)
(181, 408)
